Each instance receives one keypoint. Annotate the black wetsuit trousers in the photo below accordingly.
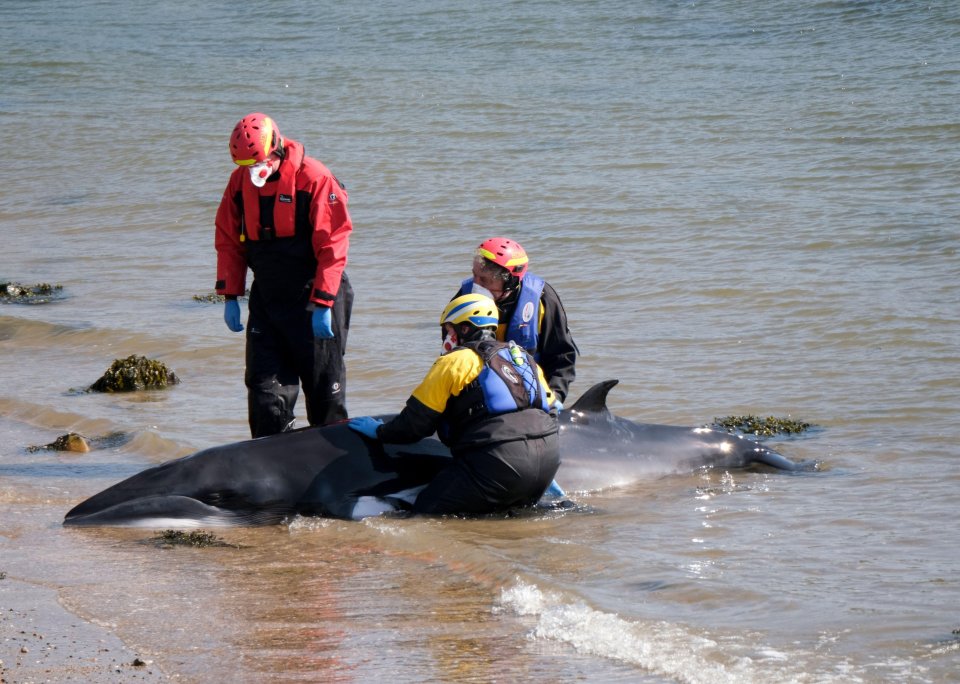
(282, 355)
(493, 478)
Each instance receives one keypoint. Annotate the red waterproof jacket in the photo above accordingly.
(304, 186)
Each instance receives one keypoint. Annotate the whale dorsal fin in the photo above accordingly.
(594, 400)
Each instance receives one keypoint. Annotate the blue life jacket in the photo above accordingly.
(504, 385)
(524, 325)
(509, 379)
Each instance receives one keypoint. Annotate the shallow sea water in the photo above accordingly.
(744, 209)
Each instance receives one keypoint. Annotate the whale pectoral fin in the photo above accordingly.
(370, 506)
(398, 502)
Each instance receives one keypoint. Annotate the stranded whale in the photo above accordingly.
(336, 472)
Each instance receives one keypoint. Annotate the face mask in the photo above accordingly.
(259, 173)
(449, 343)
(481, 290)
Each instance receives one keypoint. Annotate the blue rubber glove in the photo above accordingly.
(365, 425)
(321, 323)
(231, 315)
(554, 490)
(557, 404)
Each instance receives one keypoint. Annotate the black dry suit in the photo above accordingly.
(488, 402)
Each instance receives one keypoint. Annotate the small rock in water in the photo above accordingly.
(72, 441)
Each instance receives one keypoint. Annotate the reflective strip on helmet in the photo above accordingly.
(483, 321)
(451, 314)
(508, 264)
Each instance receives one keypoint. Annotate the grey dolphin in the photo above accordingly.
(333, 471)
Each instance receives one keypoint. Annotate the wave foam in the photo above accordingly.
(661, 648)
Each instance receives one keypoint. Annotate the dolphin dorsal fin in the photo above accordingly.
(594, 400)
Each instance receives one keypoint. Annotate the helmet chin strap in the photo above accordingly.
(509, 294)
(469, 333)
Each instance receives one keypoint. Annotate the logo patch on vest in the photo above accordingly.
(333, 198)
(286, 199)
(527, 312)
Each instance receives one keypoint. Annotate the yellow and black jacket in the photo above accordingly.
(479, 394)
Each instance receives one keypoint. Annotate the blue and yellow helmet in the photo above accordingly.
(476, 309)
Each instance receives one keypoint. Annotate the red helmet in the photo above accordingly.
(506, 253)
(253, 139)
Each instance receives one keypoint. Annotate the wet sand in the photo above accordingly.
(40, 641)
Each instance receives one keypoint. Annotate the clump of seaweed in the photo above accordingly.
(200, 538)
(762, 426)
(135, 373)
(29, 294)
(72, 441)
(209, 298)
(214, 298)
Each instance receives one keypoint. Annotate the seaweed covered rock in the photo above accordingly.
(77, 443)
(214, 298)
(29, 294)
(72, 441)
(135, 373)
(763, 427)
(209, 298)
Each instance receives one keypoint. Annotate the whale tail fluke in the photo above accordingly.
(768, 456)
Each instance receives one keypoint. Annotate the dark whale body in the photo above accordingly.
(333, 471)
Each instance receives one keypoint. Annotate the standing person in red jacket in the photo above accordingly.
(284, 215)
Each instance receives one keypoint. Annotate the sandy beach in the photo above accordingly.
(40, 641)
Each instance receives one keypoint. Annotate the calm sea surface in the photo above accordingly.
(746, 207)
